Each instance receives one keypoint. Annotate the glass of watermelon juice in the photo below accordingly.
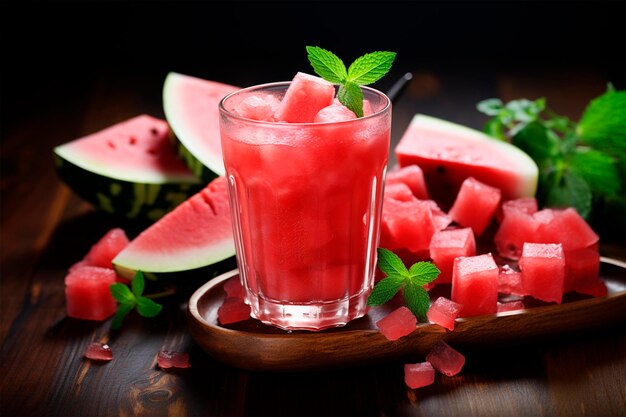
(306, 202)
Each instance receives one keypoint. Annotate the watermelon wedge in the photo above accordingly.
(191, 109)
(129, 169)
(449, 153)
(195, 234)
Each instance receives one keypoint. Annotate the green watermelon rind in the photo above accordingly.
(132, 199)
(204, 165)
(530, 172)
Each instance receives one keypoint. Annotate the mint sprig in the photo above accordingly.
(580, 164)
(129, 299)
(411, 281)
(365, 70)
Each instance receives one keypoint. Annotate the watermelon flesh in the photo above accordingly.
(191, 109)
(444, 312)
(449, 153)
(102, 253)
(87, 293)
(305, 97)
(510, 306)
(475, 285)
(99, 352)
(167, 359)
(397, 324)
(417, 375)
(233, 310)
(510, 281)
(195, 234)
(258, 107)
(445, 359)
(543, 271)
(413, 177)
(448, 244)
(475, 205)
(336, 112)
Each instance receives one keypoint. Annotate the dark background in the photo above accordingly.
(53, 51)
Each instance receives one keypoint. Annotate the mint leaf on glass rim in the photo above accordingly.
(351, 96)
(327, 65)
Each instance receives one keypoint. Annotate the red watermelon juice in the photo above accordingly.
(306, 201)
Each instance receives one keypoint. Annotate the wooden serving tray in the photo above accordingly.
(253, 345)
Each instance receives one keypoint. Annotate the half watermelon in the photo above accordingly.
(129, 169)
(449, 153)
(191, 109)
(196, 234)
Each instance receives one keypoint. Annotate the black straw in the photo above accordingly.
(399, 87)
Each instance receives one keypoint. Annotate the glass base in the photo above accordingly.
(318, 316)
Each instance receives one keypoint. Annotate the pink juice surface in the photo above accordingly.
(307, 199)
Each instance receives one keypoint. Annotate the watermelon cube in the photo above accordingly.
(448, 244)
(594, 289)
(398, 323)
(440, 219)
(543, 271)
(516, 228)
(87, 293)
(411, 175)
(336, 112)
(475, 285)
(406, 224)
(445, 359)
(475, 205)
(234, 288)
(167, 359)
(526, 205)
(510, 306)
(510, 281)
(399, 191)
(443, 312)
(566, 227)
(305, 97)
(258, 107)
(417, 375)
(582, 269)
(102, 252)
(233, 310)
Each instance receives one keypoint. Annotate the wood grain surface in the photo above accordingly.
(45, 228)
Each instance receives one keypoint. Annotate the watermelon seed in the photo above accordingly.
(132, 140)
(154, 131)
(111, 144)
(441, 169)
(153, 151)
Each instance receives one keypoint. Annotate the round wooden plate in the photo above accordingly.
(254, 346)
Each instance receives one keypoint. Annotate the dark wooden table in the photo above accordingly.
(45, 228)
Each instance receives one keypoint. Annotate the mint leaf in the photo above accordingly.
(569, 190)
(537, 141)
(351, 96)
(137, 284)
(417, 300)
(385, 289)
(121, 293)
(597, 169)
(525, 110)
(422, 273)
(327, 65)
(490, 106)
(390, 263)
(603, 123)
(120, 314)
(371, 67)
(148, 308)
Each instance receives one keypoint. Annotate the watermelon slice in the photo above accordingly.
(196, 234)
(129, 169)
(191, 108)
(449, 153)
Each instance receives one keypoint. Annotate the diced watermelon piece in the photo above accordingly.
(258, 107)
(510, 306)
(399, 191)
(234, 288)
(582, 269)
(443, 312)
(510, 281)
(411, 175)
(304, 98)
(516, 228)
(417, 375)
(445, 359)
(336, 112)
(543, 271)
(526, 205)
(398, 323)
(87, 293)
(406, 224)
(448, 244)
(107, 248)
(475, 285)
(475, 205)
(564, 226)
(594, 289)
(98, 352)
(233, 310)
(167, 359)
(440, 218)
